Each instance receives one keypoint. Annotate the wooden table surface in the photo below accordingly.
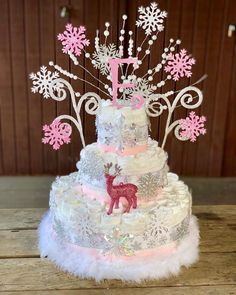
(23, 272)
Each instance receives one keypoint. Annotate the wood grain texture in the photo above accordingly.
(215, 28)
(218, 126)
(32, 42)
(8, 136)
(19, 76)
(18, 243)
(229, 161)
(38, 274)
(201, 290)
(29, 29)
(17, 219)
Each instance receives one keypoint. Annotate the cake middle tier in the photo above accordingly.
(148, 171)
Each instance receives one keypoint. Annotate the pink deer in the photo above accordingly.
(115, 192)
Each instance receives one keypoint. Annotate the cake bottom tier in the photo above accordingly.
(85, 262)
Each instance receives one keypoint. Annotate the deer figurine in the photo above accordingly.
(115, 192)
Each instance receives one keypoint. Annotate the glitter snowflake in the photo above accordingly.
(118, 244)
(101, 57)
(59, 229)
(128, 136)
(132, 134)
(91, 166)
(156, 228)
(108, 133)
(148, 185)
(180, 230)
(73, 39)
(136, 245)
(56, 134)
(151, 18)
(141, 87)
(179, 65)
(42, 81)
(85, 226)
(156, 235)
(192, 126)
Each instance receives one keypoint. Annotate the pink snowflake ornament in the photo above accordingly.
(73, 39)
(179, 65)
(192, 126)
(56, 134)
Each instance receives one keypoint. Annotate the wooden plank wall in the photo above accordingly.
(28, 30)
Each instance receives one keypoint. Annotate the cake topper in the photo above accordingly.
(130, 89)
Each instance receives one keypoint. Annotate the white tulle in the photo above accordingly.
(85, 265)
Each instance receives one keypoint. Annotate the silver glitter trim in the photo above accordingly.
(115, 242)
(121, 135)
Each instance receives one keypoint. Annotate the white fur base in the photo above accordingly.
(86, 265)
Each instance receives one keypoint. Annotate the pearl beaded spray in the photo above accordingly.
(123, 83)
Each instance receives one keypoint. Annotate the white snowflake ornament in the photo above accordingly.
(101, 57)
(42, 81)
(151, 18)
(141, 87)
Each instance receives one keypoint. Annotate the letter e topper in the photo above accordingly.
(137, 101)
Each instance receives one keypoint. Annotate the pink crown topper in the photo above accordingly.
(128, 88)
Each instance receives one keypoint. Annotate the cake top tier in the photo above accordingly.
(122, 130)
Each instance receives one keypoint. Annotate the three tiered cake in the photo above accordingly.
(122, 215)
